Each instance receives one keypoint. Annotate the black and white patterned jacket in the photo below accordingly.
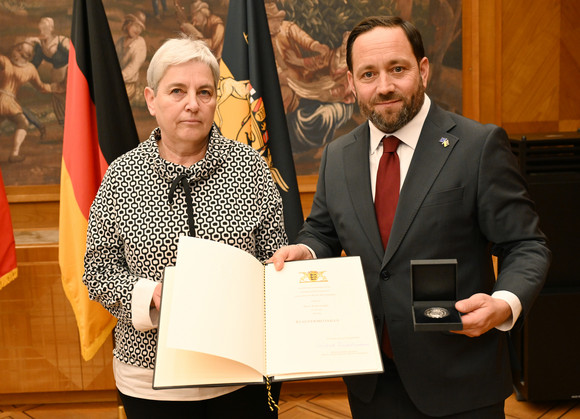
(133, 228)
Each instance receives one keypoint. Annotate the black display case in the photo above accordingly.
(434, 288)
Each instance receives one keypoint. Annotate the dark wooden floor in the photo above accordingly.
(306, 405)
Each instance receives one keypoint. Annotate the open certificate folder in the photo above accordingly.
(227, 319)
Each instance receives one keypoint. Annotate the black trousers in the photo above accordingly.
(248, 402)
(391, 401)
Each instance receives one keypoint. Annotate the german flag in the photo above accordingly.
(98, 127)
(249, 94)
(8, 267)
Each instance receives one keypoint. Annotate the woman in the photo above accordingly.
(185, 179)
(132, 51)
(53, 49)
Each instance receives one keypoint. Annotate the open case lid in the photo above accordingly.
(434, 279)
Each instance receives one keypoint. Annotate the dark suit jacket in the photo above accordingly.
(465, 202)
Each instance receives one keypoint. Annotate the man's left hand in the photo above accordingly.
(481, 312)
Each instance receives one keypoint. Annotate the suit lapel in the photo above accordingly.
(357, 172)
(428, 159)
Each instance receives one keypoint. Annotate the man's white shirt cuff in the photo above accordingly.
(309, 249)
(515, 305)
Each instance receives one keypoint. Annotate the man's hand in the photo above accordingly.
(292, 252)
(156, 298)
(482, 313)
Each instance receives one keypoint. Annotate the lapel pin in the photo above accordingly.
(444, 142)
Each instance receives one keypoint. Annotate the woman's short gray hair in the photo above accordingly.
(177, 51)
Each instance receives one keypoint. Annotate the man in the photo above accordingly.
(461, 197)
(317, 98)
(299, 57)
(205, 26)
(16, 71)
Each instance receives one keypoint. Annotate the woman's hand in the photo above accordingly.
(156, 298)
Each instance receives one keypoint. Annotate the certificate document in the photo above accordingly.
(228, 319)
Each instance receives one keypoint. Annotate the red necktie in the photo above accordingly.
(386, 199)
(387, 187)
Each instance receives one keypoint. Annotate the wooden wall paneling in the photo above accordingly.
(530, 65)
(490, 62)
(39, 345)
(34, 215)
(497, 54)
(57, 397)
(307, 187)
(34, 207)
(51, 336)
(33, 193)
(97, 374)
(482, 60)
(522, 64)
(470, 52)
(570, 66)
(28, 343)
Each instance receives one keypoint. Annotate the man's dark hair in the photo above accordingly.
(369, 23)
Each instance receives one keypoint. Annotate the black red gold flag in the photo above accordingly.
(8, 267)
(250, 107)
(98, 127)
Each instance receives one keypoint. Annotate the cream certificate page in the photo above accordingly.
(184, 368)
(319, 319)
(217, 282)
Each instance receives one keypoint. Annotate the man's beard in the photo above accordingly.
(393, 122)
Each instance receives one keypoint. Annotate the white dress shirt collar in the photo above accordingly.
(409, 134)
